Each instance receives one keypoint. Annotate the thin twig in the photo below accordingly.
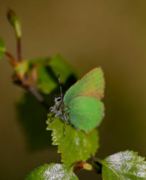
(35, 93)
(21, 81)
(11, 59)
(19, 50)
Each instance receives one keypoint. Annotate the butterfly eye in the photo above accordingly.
(59, 99)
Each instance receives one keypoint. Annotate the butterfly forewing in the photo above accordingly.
(91, 85)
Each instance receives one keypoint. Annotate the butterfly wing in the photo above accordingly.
(91, 85)
(85, 112)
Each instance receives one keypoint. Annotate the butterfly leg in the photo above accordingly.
(55, 116)
(58, 115)
(75, 127)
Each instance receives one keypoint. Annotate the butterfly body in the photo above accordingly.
(81, 106)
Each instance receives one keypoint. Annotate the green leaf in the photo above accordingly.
(47, 72)
(27, 66)
(53, 172)
(15, 22)
(75, 145)
(45, 82)
(32, 116)
(125, 165)
(2, 48)
(59, 65)
(47, 79)
(22, 68)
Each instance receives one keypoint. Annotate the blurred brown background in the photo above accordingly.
(88, 34)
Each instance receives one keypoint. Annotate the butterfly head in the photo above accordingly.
(58, 100)
(57, 106)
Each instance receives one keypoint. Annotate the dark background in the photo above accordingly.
(88, 34)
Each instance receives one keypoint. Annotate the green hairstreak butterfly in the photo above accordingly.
(81, 105)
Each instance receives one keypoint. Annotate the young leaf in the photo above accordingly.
(2, 48)
(125, 165)
(47, 70)
(45, 82)
(22, 68)
(53, 172)
(75, 145)
(15, 22)
(59, 65)
(47, 79)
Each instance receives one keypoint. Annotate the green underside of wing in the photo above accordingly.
(92, 85)
(85, 112)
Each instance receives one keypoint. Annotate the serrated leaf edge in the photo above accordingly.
(58, 144)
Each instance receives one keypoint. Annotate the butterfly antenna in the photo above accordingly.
(60, 84)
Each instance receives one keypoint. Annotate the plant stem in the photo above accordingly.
(19, 49)
(11, 59)
(35, 93)
(22, 82)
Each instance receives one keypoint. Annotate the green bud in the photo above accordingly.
(15, 22)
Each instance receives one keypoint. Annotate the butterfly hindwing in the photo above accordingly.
(91, 85)
(85, 112)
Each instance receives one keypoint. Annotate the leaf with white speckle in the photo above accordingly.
(53, 172)
(125, 165)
